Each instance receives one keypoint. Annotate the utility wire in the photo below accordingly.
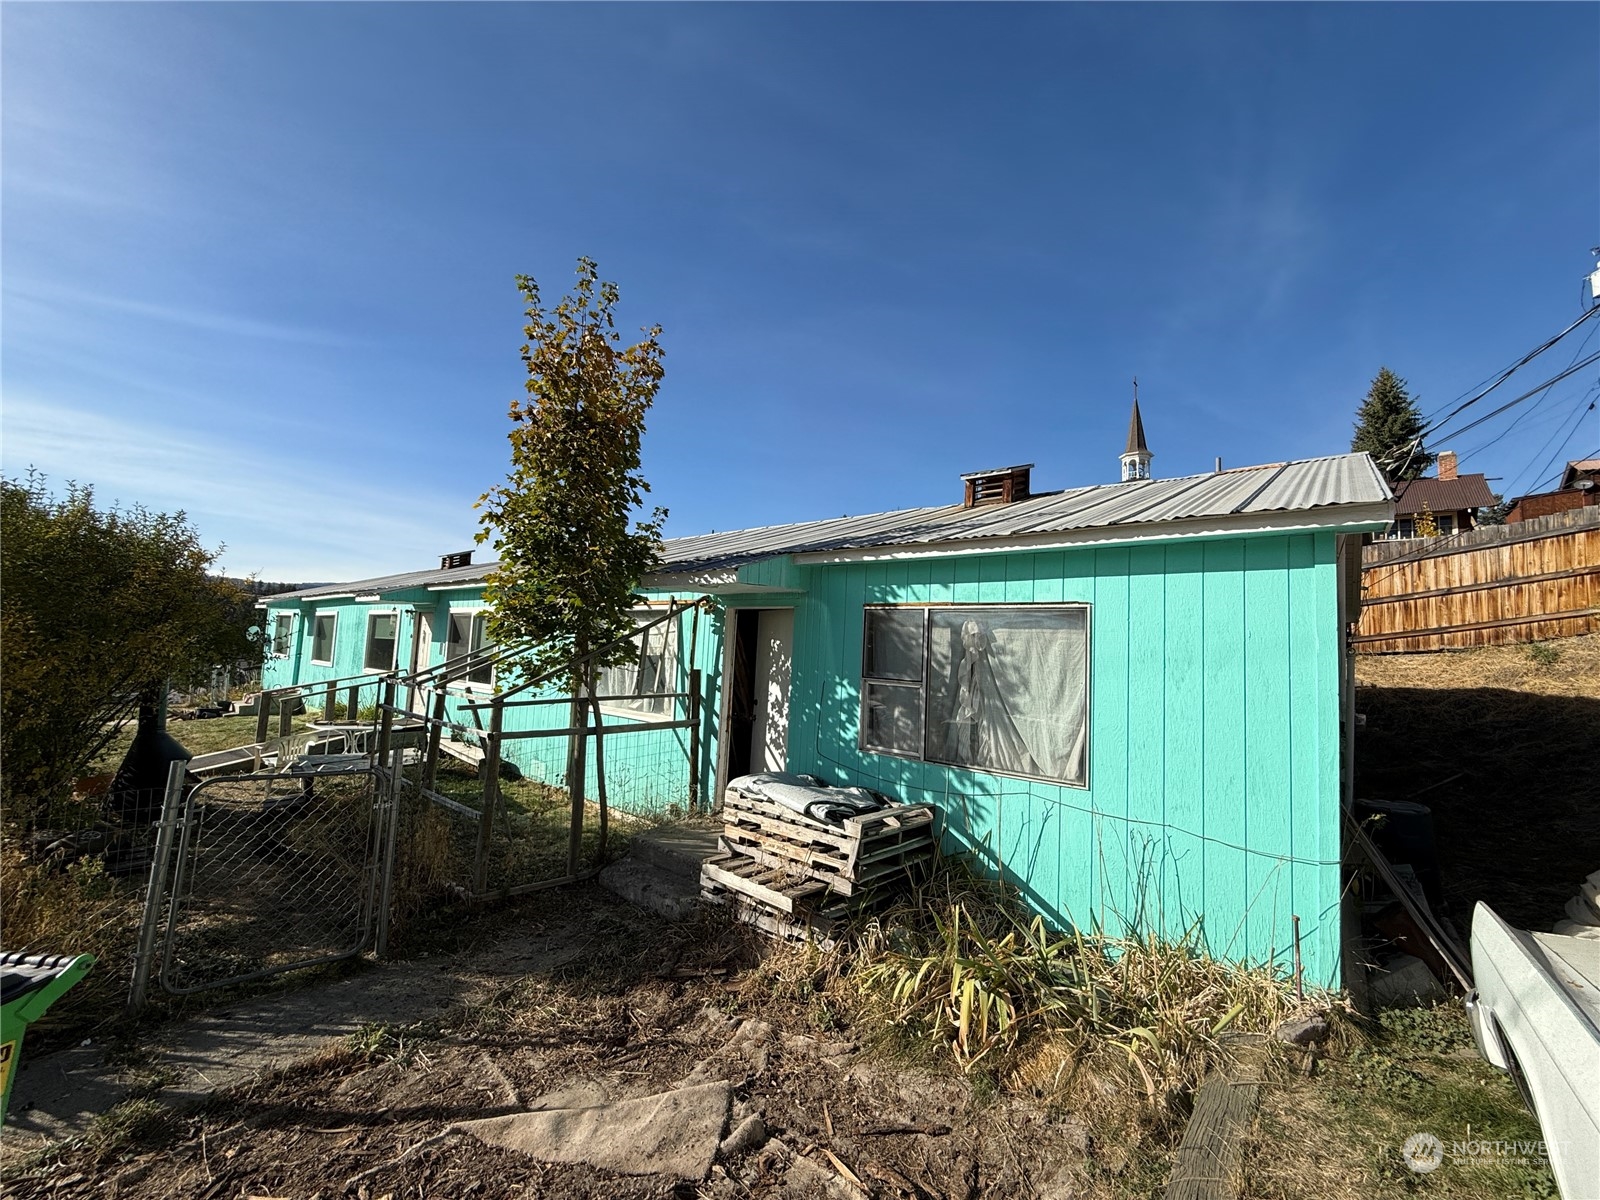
(1485, 389)
(1571, 433)
(1543, 396)
(1412, 446)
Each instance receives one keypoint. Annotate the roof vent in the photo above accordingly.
(461, 558)
(1003, 485)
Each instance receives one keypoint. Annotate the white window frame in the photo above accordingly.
(472, 612)
(927, 626)
(613, 708)
(288, 640)
(333, 638)
(366, 641)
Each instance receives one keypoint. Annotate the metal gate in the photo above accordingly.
(264, 873)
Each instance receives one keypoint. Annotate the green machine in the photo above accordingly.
(29, 985)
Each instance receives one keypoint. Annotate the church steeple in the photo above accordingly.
(1136, 458)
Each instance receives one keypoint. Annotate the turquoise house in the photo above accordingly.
(1131, 701)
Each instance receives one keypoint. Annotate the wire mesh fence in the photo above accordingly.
(271, 873)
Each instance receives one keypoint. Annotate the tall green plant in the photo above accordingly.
(97, 605)
(1389, 426)
(566, 522)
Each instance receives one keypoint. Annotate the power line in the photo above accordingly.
(1506, 374)
(1411, 447)
(1571, 433)
(1595, 453)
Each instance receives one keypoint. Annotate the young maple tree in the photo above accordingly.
(566, 523)
(1389, 426)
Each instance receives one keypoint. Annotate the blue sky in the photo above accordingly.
(258, 259)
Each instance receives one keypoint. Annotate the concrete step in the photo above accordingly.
(662, 870)
(650, 887)
(678, 849)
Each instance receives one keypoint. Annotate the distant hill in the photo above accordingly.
(262, 587)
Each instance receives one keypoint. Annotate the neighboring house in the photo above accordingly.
(1131, 701)
(1454, 500)
(1579, 488)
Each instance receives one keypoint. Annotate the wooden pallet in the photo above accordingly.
(779, 888)
(864, 853)
(759, 899)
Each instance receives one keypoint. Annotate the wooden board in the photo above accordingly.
(1206, 1166)
(869, 872)
(776, 888)
(1490, 586)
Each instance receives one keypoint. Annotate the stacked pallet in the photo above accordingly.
(796, 877)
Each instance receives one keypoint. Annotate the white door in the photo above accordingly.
(421, 649)
(769, 739)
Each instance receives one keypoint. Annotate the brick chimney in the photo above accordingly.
(1447, 464)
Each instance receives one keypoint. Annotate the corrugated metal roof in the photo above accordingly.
(1442, 495)
(1281, 487)
(391, 583)
(1306, 484)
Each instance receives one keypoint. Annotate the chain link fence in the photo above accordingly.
(271, 873)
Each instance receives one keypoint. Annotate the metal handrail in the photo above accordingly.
(676, 609)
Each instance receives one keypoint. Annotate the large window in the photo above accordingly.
(383, 630)
(322, 631)
(1002, 689)
(282, 634)
(637, 685)
(469, 631)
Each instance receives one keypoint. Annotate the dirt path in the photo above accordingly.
(59, 1095)
(589, 1000)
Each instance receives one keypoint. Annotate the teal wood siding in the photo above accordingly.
(1213, 764)
(1212, 796)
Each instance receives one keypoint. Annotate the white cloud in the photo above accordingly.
(285, 509)
(59, 301)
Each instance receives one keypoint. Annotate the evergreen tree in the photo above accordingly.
(1389, 427)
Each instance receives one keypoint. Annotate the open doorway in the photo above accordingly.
(756, 728)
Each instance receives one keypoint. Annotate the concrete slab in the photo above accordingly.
(678, 848)
(651, 888)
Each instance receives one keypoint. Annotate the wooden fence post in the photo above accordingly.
(435, 736)
(263, 714)
(491, 797)
(694, 740)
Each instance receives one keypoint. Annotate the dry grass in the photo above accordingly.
(1574, 671)
(1501, 746)
(1337, 1134)
(77, 909)
(1117, 1032)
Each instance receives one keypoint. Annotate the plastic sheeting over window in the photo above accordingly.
(641, 680)
(1001, 689)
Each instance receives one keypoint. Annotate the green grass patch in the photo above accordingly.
(1413, 1071)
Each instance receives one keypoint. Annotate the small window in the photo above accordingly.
(282, 634)
(1446, 523)
(322, 633)
(382, 633)
(640, 687)
(1405, 528)
(469, 631)
(996, 688)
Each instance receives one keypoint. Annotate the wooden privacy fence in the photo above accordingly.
(1489, 586)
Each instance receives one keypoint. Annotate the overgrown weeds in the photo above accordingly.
(960, 969)
(1544, 654)
(75, 909)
